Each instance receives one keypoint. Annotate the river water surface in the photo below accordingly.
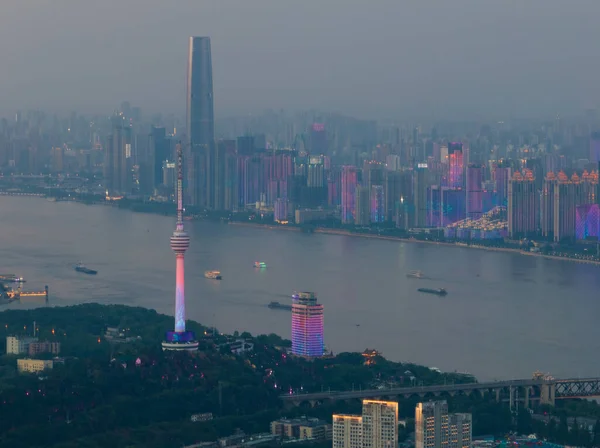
(505, 316)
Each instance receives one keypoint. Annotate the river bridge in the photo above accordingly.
(527, 391)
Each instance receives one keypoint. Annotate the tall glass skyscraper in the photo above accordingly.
(200, 124)
(307, 325)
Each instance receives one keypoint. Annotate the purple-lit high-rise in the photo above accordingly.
(587, 221)
(455, 165)
(180, 339)
(349, 182)
(307, 325)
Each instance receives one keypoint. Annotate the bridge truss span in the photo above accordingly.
(578, 388)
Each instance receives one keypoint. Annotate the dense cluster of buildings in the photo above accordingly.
(30, 347)
(539, 180)
(377, 427)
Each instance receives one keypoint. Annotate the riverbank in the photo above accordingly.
(340, 232)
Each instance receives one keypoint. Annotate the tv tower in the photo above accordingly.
(180, 241)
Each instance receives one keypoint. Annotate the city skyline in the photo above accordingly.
(487, 70)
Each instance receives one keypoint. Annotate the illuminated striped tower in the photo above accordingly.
(307, 325)
(180, 241)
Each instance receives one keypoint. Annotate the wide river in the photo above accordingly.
(506, 315)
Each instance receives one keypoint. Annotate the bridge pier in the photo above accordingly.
(526, 391)
(548, 393)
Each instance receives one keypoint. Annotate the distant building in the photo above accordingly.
(380, 424)
(377, 427)
(587, 223)
(118, 176)
(568, 194)
(419, 196)
(240, 346)
(435, 428)
(475, 191)
(455, 165)
(460, 428)
(33, 365)
(204, 417)
(307, 325)
(377, 205)
(18, 345)
(44, 347)
(301, 428)
(200, 124)
(362, 213)
(306, 216)
(523, 205)
(349, 182)
(347, 431)
(318, 139)
(280, 210)
(431, 424)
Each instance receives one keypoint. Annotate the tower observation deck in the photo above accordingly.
(180, 339)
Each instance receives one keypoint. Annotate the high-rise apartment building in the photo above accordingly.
(159, 150)
(431, 425)
(307, 325)
(380, 424)
(200, 124)
(117, 158)
(455, 165)
(377, 204)
(377, 427)
(568, 194)
(460, 431)
(349, 183)
(318, 139)
(523, 205)
(502, 176)
(362, 212)
(420, 184)
(547, 206)
(474, 191)
(347, 431)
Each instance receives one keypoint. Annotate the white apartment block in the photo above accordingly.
(377, 427)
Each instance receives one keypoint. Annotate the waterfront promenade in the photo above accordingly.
(341, 232)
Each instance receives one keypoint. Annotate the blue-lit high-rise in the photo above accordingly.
(200, 124)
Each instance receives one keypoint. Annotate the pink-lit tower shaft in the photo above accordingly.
(180, 241)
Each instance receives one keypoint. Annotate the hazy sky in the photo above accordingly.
(393, 58)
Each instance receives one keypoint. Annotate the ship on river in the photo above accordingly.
(280, 306)
(11, 278)
(80, 267)
(437, 291)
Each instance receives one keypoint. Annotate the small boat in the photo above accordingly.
(438, 291)
(415, 274)
(260, 264)
(279, 306)
(85, 270)
(11, 278)
(213, 275)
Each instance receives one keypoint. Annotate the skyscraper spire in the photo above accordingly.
(180, 339)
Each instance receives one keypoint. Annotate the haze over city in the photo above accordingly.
(377, 59)
(337, 224)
